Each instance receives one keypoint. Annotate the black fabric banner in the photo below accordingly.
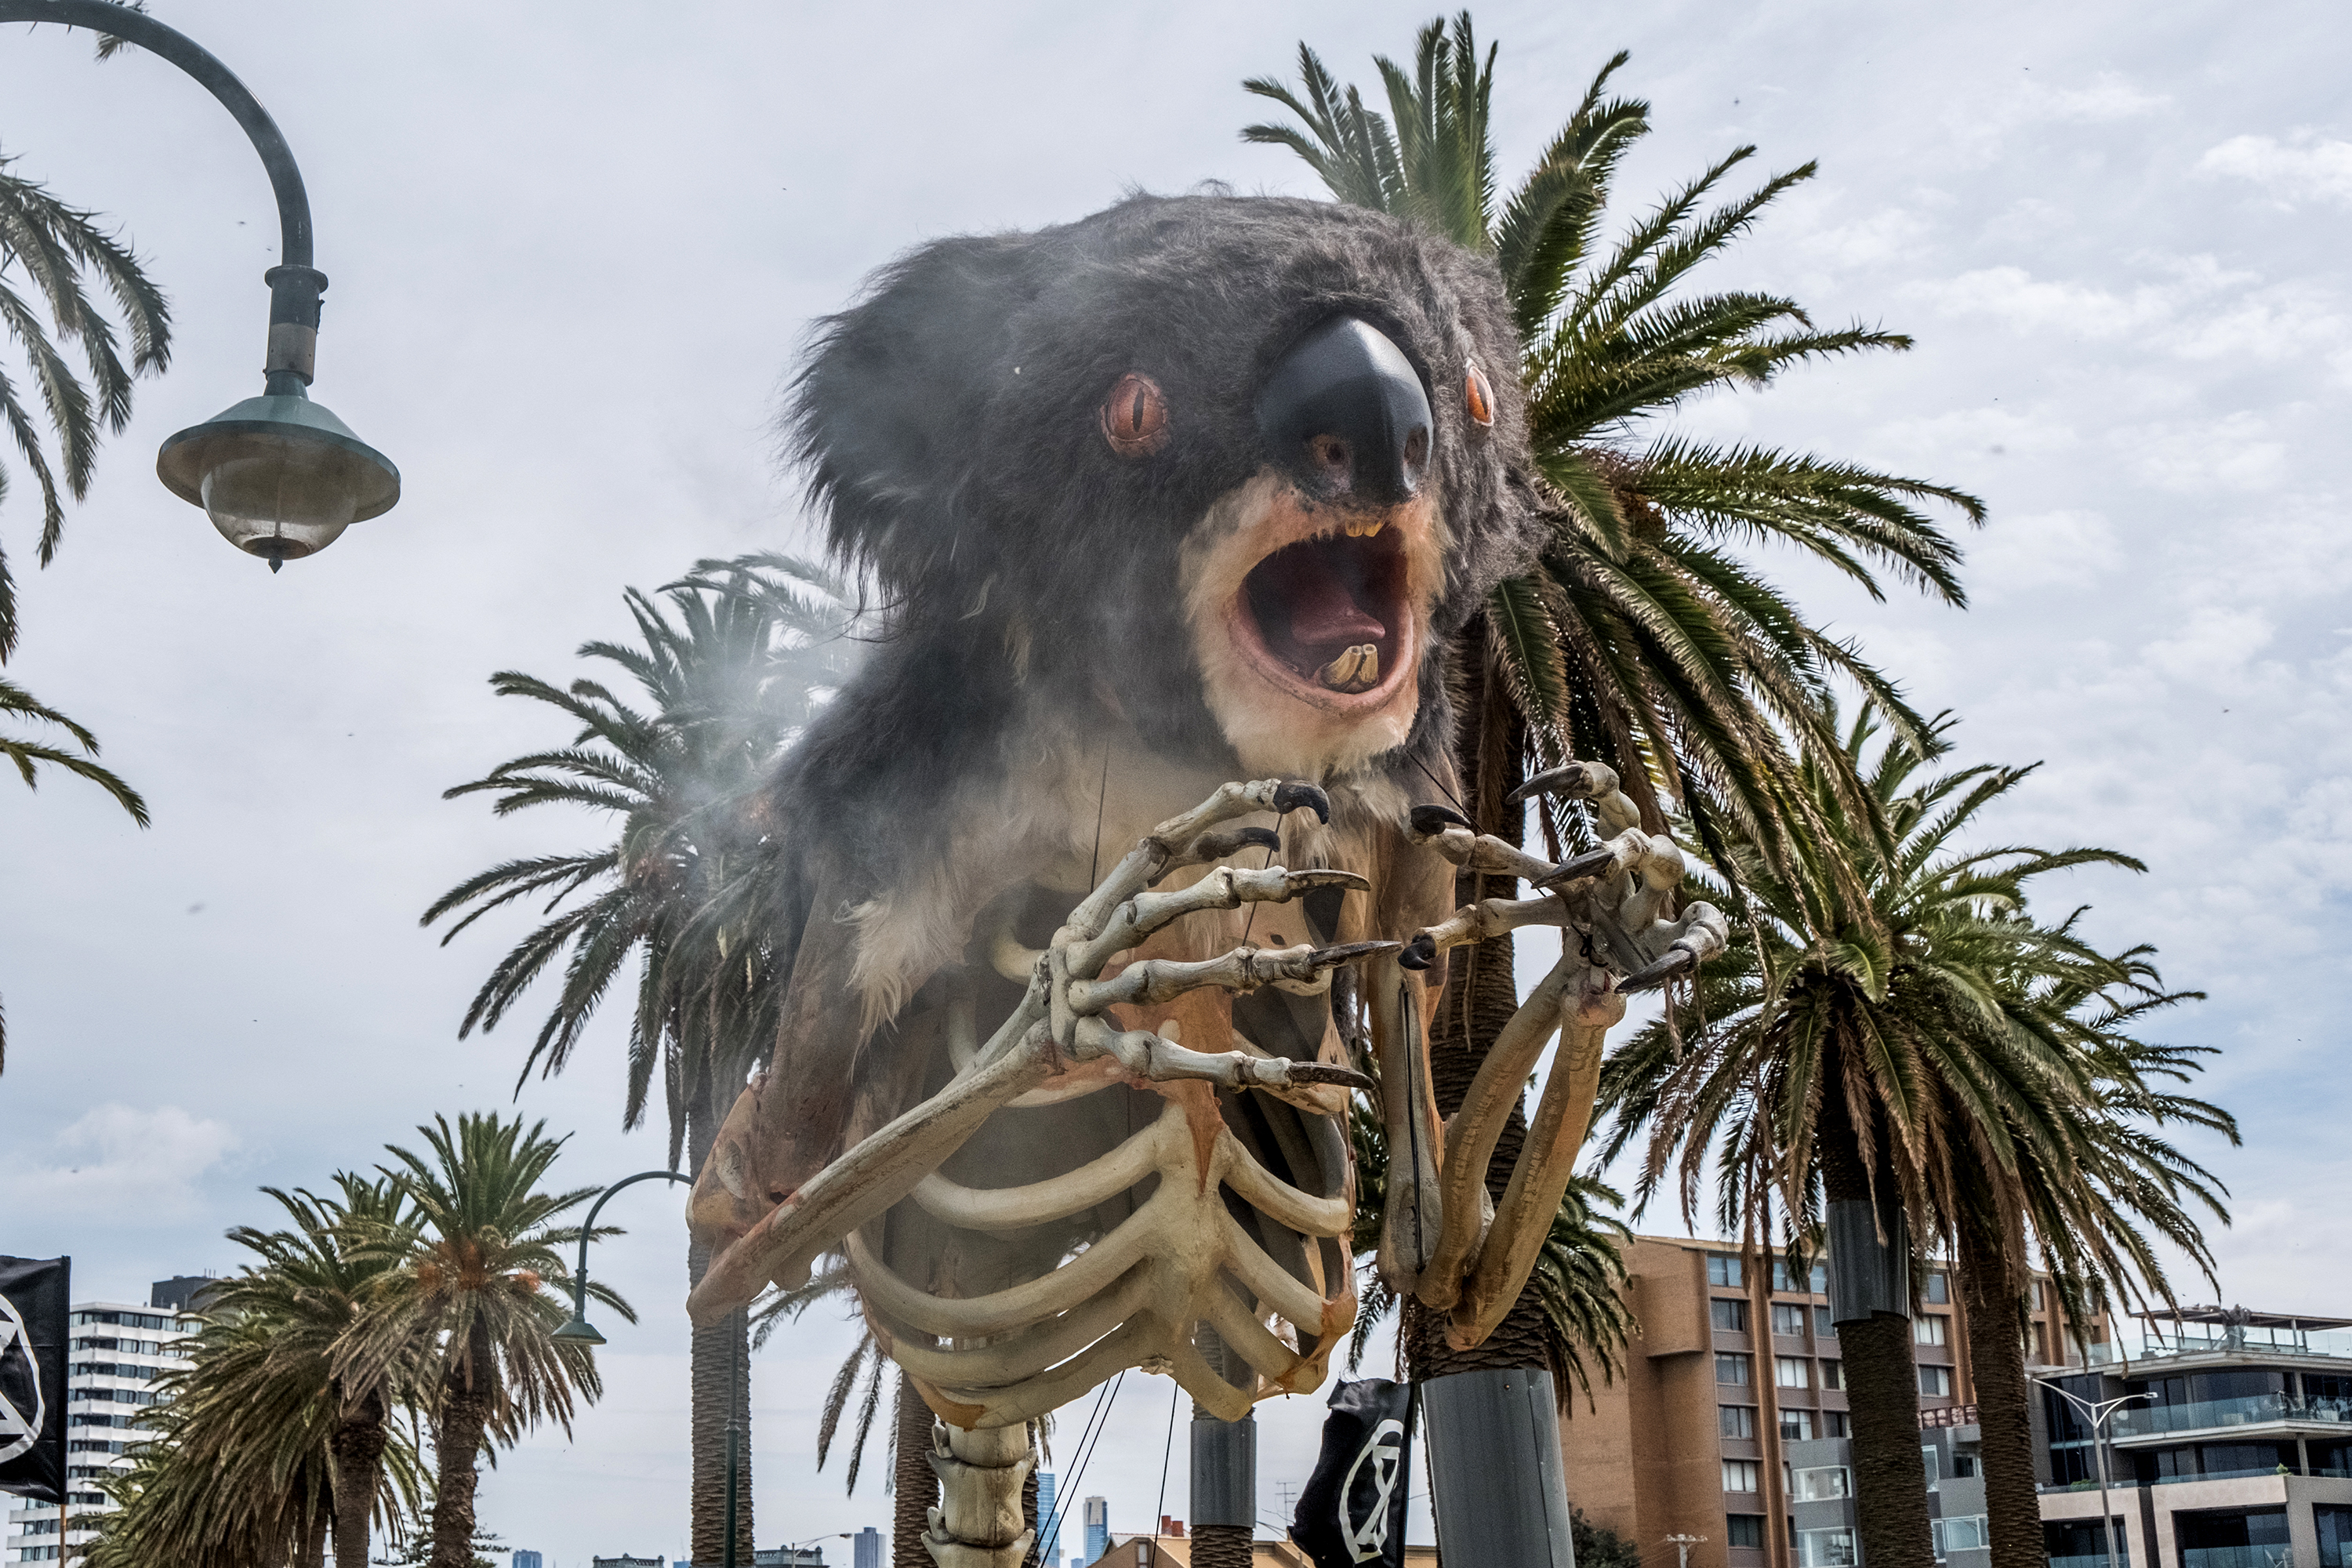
(33, 1292)
(1352, 1513)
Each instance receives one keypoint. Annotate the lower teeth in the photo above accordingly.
(1356, 670)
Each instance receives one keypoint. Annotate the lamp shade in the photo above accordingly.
(280, 476)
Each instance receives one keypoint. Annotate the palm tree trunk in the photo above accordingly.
(314, 1543)
(1481, 995)
(457, 1447)
(357, 1449)
(1890, 1480)
(1990, 1292)
(917, 1489)
(715, 1351)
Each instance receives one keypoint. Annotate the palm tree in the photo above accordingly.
(1893, 1064)
(56, 248)
(1639, 639)
(2094, 1221)
(729, 675)
(478, 1293)
(236, 1473)
(308, 1291)
(15, 702)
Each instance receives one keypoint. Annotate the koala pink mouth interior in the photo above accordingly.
(1331, 612)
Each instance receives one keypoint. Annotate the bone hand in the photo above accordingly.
(1245, 969)
(1220, 844)
(1656, 874)
(1356, 670)
(1161, 1060)
(1163, 847)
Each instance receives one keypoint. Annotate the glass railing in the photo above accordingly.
(2228, 1475)
(2237, 1557)
(2197, 1338)
(2094, 1560)
(2147, 1420)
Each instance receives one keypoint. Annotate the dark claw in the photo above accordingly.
(1419, 953)
(1567, 777)
(1348, 952)
(1673, 962)
(1327, 1072)
(1593, 863)
(1429, 821)
(1290, 794)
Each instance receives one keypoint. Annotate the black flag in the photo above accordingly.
(33, 1293)
(1352, 1513)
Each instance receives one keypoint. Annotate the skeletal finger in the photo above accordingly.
(1220, 844)
(1481, 921)
(1703, 934)
(1161, 1060)
(1576, 868)
(1226, 888)
(1594, 782)
(1160, 848)
(1429, 821)
(1245, 969)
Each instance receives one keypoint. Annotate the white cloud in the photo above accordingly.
(2041, 550)
(2236, 452)
(2105, 99)
(2194, 308)
(2300, 169)
(115, 1157)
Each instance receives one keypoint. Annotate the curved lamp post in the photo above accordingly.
(279, 476)
(2097, 1412)
(579, 1331)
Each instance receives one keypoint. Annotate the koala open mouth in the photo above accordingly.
(1332, 614)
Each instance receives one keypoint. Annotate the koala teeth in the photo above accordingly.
(1356, 670)
(1364, 528)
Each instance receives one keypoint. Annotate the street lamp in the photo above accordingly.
(579, 1331)
(279, 476)
(793, 1551)
(2096, 1412)
(1682, 1546)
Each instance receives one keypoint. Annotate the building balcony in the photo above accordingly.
(2140, 1426)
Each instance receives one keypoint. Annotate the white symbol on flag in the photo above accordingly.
(18, 1432)
(1370, 1538)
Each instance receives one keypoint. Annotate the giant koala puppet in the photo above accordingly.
(1193, 490)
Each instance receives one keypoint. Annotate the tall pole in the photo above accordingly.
(1682, 1546)
(2098, 1415)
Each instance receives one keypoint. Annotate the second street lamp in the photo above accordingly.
(279, 476)
(581, 1331)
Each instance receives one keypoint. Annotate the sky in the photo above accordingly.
(574, 250)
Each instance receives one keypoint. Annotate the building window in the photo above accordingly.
(1727, 1315)
(1935, 1382)
(1940, 1288)
(1826, 1484)
(2042, 1345)
(1791, 1372)
(1832, 1374)
(1742, 1475)
(1736, 1420)
(2224, 1538)
(1833, 1423)
(2333, 1526)
(1788, 1318)
(1798, 1282)
(1796, 1426)
(1731, 1366)
(1931, 1329)
(1724, 1272)
(2040, 1299)
(1825, 1548)
(1822, 1328)
(1745, 1530)
(1928, 1462)
(1965, 1534)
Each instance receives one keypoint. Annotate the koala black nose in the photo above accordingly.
(1344, 414)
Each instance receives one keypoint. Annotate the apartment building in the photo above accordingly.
(115, 1351)
(1730, 1420)
(2236, 1451)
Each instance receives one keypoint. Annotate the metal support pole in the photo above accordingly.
(2098, 1413)
(1494, 1450)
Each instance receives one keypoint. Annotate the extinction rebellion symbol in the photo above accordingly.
(22, 1412)
(1367, 1534)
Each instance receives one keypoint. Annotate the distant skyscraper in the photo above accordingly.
(1049, 1546)
(1098, 1527)
(866, 1549)
(526, 1559)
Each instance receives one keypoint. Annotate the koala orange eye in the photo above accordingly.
(1135, 416)
(1478, 396)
